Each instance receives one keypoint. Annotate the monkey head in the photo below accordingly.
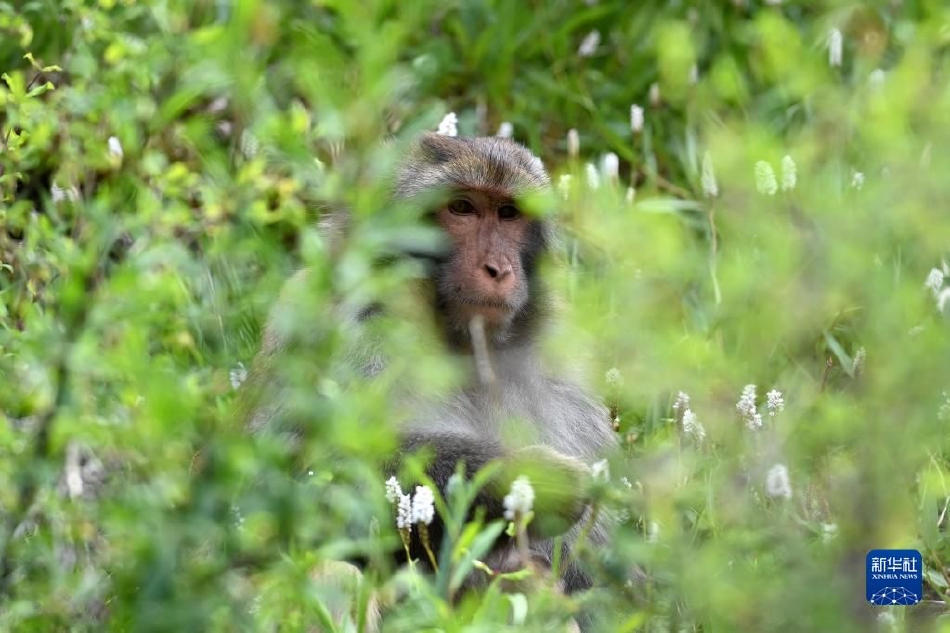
(488, 268)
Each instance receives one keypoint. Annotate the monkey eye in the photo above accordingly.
(460, 206)
(508, 212)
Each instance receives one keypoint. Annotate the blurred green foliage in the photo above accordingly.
(162, 165)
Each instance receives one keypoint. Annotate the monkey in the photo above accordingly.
(489, 304)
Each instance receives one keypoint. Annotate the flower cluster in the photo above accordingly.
(777, 484)
(519, 501)
(775, 403)
(448, 126)
(746, 408)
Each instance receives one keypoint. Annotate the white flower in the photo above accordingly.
(935, 281)
(943, 413)
(746, 408)
(681, 403)
(835, 45)
(600, 471)
(655, 94)
(626, 482)
(708, 177)
(858, 363)
(249, 144)
(876, 78)
(573, 143)
(404, 513)
(589, 46)
(943, 298)
(448, 126)
(611, 166)
(887, 621)
(765, 178)
(520, 500)
(593, 177)
(115, 148)
(505, 130)
(58, 194)
(613, 376)
(828, 532)
(636, 119)
(630, 196)
(857, 180)
(776, 482)
(564, 185)
(692, 427)
(393, 490)
(423, 505)
(789, 174)
(238, 375)
(775, 403)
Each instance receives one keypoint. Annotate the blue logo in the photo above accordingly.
(894, 577)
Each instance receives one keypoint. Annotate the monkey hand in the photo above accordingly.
(560, 483)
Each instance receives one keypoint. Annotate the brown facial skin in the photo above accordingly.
(484, 276)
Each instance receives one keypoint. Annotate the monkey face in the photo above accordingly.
(484, 273)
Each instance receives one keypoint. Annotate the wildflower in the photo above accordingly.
(655, 95)
(828, 531)
(776, 482)
(746, 408)
(115, 148)
(858, 365)
(708, 178)
(589, 45)
(681, 403)
(775, 403)
(789, 174)
(835, 45)
(404, 513)
(393, 490)
(423, 508)
(520, 500)
(765, 178)
(857, 180)
(448, 126)
(630, 195)
(611, 167)
(249, 144)
(943, 413)
(573, 143)
(636, 119)
(564, 185)
(238, 375)
(613, 376)
(692, 427)
(935, 281)
(600, 471)
(626, 482)
(887, 621)
(505, 130)
(593, 177)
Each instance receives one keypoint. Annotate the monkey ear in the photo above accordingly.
(438, 148)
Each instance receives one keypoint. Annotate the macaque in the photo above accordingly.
(485, 294)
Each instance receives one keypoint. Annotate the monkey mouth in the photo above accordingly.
(487, 302)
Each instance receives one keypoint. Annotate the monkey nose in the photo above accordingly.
(498, 270)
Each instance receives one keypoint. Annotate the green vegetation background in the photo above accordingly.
(135, 275)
